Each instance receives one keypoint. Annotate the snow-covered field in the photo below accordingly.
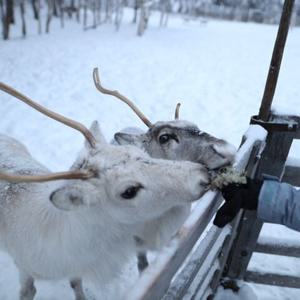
(216, 69)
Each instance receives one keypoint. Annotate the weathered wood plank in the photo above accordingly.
(200, 262)
(251, 169)
(273, 279)
(204, 289)
(293, 251)
(272, 162)
(290, 120)
(157, 277)
(292, 175)
(182, 282)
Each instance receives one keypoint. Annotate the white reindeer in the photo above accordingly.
(82, 227)
(175, 140)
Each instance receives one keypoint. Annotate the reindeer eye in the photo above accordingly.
(164, 138)
(131, 192)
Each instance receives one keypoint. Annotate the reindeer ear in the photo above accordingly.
(126, 138)
(96, 131)
(67, 198)
(71, 197)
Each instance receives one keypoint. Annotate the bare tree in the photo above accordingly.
(10, 11)
(55, 10)
(39, 17)
(2, 16)
(136, 7)
(94, 14)
(118, 13)
(61, 13)
(145, 10)
(85, 7)
(35, 9)
(108, 11)
(142, 21)
(22, 9)
(98, 11)
(165, 6)
(49, 15)
(8, 17)
(78, 11)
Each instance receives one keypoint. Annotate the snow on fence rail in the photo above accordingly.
(196, 273)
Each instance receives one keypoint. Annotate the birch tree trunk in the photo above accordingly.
(71, 9)
(55, 11)
(2, 16)
(162, 13)
(39, 17)
(94, 14)
(99, 7)
(108, 8)
(142, 21)
(118, 14)
(49, 15)
(10, 11)
(136, 7)
(34, 9)
(85, 14)
(61, 13)
(22, 9)
(8, 18)
(78, 11)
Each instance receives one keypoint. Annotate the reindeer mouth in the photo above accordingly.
(225, 176)
(215, 165)
(206, 186)
(215, 174)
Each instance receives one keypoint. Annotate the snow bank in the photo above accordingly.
(217, 70)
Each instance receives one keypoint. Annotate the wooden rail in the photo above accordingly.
(273, 279)
(277, 249)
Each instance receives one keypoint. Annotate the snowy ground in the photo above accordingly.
(216, 69)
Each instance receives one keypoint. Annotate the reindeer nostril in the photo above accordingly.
(217, 151)
(204, 184)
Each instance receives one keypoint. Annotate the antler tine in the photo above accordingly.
(177, 111)
(121, 97)
(45, 177)
(71, 123)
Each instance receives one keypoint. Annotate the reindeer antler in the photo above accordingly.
(177, 111)
(71, 123)
(46, 177)
(121, 97)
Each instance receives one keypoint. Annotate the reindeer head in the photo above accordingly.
(181, 140)
(129, 184)
(122, 182)
(176, 139)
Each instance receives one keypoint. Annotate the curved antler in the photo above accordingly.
(71, 123)
(121, 97)
(46, 177)
(177, 111)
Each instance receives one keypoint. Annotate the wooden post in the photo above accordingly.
(274, 68)
(272, 159)
(272, 162)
